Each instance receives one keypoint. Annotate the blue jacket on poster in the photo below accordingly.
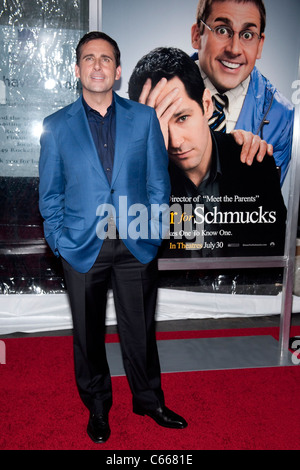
(269, 114)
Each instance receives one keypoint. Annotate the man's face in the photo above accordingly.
(97, 67)
(228, 63)
(189, 135)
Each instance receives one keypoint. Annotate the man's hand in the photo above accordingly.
(165, 108)
(253, 146)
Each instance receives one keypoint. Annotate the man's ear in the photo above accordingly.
(207, 103)
(260, 46)
(195, 36)
(118, 72)
(77, 71)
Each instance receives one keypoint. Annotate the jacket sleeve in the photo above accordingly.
(158, 182)
(51, 187)
(269, 114)
(282, 147)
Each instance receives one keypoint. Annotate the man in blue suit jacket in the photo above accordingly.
(229, 37)
(104, 186)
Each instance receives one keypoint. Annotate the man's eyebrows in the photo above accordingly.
(227, 21)
(104, 56)
(182, 112)
(224, 20)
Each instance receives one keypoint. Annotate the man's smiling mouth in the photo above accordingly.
(230, 65)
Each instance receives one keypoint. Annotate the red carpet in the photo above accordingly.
(233, 409)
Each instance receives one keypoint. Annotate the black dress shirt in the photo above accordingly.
(103, 129)
(198, 195)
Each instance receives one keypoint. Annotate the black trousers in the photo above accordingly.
(134, 288)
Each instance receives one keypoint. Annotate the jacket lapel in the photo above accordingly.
(79, 126)
(124, 129)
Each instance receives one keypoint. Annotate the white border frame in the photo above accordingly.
(95, 15)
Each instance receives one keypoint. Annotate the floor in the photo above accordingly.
(188, 325)
(181, 355)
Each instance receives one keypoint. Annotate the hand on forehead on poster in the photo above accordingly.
(165, 107)
(253, 146)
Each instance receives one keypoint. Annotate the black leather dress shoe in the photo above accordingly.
(163, 416)
(98, 428)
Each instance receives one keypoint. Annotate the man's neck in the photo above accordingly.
(98, 101)
(197, 175)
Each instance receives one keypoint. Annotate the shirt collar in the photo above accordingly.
(89, 110)
(215, 168)
(233, 94)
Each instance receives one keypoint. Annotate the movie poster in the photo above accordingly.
(238, 210)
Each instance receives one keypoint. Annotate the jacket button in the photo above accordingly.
(112, 191)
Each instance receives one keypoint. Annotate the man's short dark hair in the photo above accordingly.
(204, 10)
(98, 35)
(167, 62)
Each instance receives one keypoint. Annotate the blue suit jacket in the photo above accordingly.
(76, 197)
